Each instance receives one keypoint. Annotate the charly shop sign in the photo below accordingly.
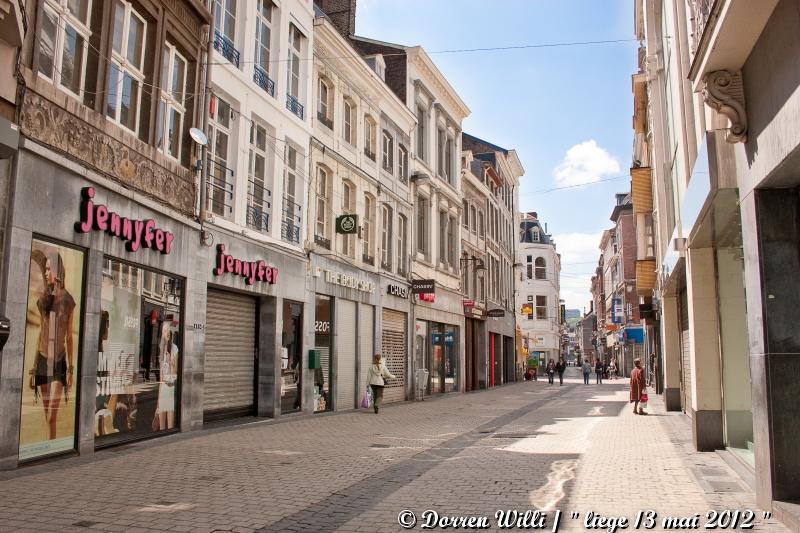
(251, 271)
(136, 233)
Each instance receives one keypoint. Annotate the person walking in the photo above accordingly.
(637, 386)
(376, 379)
(551, 371)
(560, 368)
(587, 369)
(612, 368)
(598, 371)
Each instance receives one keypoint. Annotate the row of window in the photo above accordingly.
(448, 235)
(445, 147)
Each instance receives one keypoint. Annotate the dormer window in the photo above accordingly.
(378, 64)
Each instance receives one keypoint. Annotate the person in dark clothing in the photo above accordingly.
(598, 370)
(551, 371)
(560, 368)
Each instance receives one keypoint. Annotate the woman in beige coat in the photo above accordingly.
(376, 379)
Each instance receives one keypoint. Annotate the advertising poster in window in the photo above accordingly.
(52, 340)
(138, 359)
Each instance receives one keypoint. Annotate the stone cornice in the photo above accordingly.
(446, 92)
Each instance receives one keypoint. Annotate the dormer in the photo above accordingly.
(378, 64)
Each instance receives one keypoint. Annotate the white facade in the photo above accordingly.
(259, 128)
(538, 289)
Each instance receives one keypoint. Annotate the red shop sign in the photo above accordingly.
(251, 271)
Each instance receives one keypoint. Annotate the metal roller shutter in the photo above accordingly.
(230, 355)
(393, 349)
(345, 388)
(366, 344)
(686, 348)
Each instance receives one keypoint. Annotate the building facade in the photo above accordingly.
(537, 302)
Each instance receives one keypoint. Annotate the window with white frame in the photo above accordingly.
(448, 160)
(473, 219)
(443, 237)
(125, 71)
(258, 194)
(387, 151)
(452, 245)
(401, 247)
(537, 236)
(348, 207)
(292, 210)
(386, 237)
(63, 43)
(441, 139)
(293, 64)
(369, 137)
(323, 182)
(221, 183)
(541, 307)
(263, 41)
(481, 227)
(465, 214)
(422, 117)
(369, 228)
(541, 268)
(402, 163)
(348, 115)
(324, 107)
(171, 104)
(422, 225)
(225, 18)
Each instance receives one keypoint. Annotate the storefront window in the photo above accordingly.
(437, 358)
(291, 357)
(140, 343)
(52, 341)
(322, 343)
(450, 359)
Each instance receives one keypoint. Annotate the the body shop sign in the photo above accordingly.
(136, 233)
(251, 271)
(351, 282)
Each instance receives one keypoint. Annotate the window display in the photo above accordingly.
(139, 353)
(52, 341)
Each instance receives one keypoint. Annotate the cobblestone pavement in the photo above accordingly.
(573, 448)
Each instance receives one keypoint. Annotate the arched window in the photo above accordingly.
(541, 268)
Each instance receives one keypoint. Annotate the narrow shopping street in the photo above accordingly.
(522, 446)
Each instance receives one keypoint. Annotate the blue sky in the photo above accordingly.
(566, 111)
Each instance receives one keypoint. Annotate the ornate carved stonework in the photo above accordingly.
(54, 126)
(723, 91)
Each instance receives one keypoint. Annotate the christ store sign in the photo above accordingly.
(136, 233)
(251, 271)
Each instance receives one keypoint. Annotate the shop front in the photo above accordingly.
(438, 343)
(98, 342)
(395, 306)
(474, 348)
(500, 327)
(344, 300)
(254, 328)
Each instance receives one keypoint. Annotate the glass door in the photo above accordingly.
(291, 357)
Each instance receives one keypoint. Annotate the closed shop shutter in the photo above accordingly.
(393, 349)
(686, 367)
(366, 344)
(230, 355)
(345, 387)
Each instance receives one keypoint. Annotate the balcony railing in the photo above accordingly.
(386, 266)
(263, 80)
(224, 46)
(324, 120)
(369, 153)
(294, 105)
(368, 259)
(292, 218)
(319, 240)
(258, 207)
(220, 189)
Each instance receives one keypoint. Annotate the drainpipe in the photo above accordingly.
(206, 107)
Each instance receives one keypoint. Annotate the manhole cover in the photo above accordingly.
(511, 436)
(725, 486)
(379, 446)
(85, 523)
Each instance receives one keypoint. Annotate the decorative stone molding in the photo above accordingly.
(54, 126)
(724, 92)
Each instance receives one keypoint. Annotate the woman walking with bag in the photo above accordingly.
(376, 379)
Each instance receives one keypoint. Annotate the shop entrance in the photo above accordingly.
(291, 357)
(393, 349)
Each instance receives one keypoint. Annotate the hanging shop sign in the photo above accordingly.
(251, 271)
(347, 224)
(423, 286)
(351, 282)
(496, 313)
(427, 297)
(468, 303)
(397, 290)
(616, 310)
(136, 233)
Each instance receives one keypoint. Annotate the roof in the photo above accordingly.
(479, 146)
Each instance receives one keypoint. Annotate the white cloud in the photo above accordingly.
(585, 163)
(579, 255)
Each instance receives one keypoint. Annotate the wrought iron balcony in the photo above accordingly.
(368, 259)
(294, 105)
(292, 219)
(258, 207)
(369, 153)
(224, 46)
(319, 240)
(324, 120)
(263, 80)
(219, 192)
(386, 266)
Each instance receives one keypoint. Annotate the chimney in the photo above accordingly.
(342, 14)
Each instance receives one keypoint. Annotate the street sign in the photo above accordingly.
(423, 286)
(496, 313)
(347, 224)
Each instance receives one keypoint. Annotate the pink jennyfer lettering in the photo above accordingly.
(251, 271)
(135, 233)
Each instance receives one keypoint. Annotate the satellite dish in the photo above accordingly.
(198, 136)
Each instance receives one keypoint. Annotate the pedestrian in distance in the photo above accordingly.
(560, 368)
(376, 379)
(637, 387)
(551, 371)
(587, 369)
(598, 371)
(612, 368)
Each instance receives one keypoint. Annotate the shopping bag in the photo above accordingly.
(643, 401)
(366, 400)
